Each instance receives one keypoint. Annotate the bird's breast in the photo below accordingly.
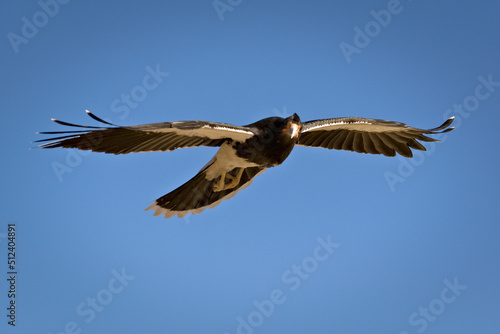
(269, 150)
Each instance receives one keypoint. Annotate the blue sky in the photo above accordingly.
(328, 242)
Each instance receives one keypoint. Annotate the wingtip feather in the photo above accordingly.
(443, 127)
(99, 119)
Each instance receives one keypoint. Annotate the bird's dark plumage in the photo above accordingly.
(365, 135)
(245, 151)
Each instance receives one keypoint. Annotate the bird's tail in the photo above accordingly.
(200, 193)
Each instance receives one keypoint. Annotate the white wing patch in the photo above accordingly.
(356, 126)
(210, 131)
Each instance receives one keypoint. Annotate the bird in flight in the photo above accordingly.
(244, 151)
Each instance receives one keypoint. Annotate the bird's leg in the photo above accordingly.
(235, 180)
(219, 185)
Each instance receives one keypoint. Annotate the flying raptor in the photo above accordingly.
(244, 151)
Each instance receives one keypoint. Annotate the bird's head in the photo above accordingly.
(293, 126)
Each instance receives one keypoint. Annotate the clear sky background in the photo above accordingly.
(413, 243)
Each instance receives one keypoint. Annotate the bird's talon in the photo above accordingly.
(235, 180)
(220, 184)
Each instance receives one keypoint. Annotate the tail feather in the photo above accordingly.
(197, 194)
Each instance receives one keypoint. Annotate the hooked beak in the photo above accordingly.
(293, 129)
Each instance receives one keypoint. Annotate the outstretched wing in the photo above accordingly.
(165, 136)
(366, 135)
